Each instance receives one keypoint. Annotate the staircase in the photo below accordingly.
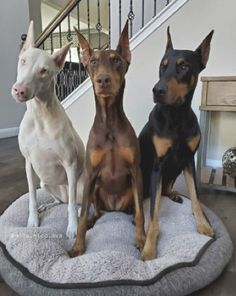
(100, 22)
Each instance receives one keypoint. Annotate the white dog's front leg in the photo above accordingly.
(72, 174)
(33, 220)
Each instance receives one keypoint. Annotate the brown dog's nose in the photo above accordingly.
(103, 80)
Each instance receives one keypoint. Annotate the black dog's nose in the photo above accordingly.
(104, 80)
(159, 90)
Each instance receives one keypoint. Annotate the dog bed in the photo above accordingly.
(34, 261)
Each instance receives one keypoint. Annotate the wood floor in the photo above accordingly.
(13, 184)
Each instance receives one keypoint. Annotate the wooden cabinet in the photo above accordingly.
(218, 94)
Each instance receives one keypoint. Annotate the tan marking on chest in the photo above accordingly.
(96, 156)
(127, 154)
(162, 145)
(194, 142)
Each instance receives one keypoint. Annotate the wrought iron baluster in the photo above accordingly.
(131, 17)
(88, 15)
(142, 13)
(109, 23)
(99, 25)
(51, 39)
(78, 48)
(69, 35)
(155, 8)
(60, 38)
(119, 16)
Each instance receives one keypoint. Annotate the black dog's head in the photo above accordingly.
(179, 70)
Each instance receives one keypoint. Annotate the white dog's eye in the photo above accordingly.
(23, 61)
(43, 71)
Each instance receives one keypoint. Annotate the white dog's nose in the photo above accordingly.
(19, 90)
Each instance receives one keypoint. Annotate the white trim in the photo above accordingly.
(148, 29)
(156, 22)
(78, 92)
(9, 132)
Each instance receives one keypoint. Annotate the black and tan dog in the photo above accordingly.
(113, 175)
(171, 137)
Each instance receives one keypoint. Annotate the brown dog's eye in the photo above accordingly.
(93, 62)
(116, 61)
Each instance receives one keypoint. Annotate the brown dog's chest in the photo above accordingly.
(113, 155)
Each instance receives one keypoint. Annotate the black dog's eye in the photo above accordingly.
(163, 67)
(93, 62)
(184, 67)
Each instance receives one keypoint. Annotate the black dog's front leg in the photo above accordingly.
(203, 226)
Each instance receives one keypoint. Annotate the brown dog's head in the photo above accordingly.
(107, 68)
(179, 70)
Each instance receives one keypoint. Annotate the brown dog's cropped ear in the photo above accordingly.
(123, 45)
(169, 44)
(59, 56)
(203, 49)
(86, 50)
(29, 42)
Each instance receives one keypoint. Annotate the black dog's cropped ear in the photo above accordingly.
(123, 45)
(203, 50)
(86, 50)
(169, 44)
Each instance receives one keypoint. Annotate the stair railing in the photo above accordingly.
(93, 19)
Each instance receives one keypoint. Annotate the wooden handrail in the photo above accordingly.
(56, 21)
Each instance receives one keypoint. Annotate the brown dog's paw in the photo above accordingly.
(140, 242)
(205, 228)
(176, 197)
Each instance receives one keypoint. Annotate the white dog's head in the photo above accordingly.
(36, 69)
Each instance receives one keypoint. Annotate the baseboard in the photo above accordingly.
(9, 132)
(214, 163)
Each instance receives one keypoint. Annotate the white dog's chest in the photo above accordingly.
(44, 155)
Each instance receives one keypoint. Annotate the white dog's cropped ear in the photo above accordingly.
(86, 49)
(29, 42)
(59, 56)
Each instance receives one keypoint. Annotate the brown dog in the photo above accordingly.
(113, 177)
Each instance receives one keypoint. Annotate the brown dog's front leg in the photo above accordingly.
(139, 215)
(150, 248)
(203, 226)
(79, 245)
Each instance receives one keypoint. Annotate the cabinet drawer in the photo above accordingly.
(221, 93)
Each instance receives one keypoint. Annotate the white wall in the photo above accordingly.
(188, 26)
(14, 19)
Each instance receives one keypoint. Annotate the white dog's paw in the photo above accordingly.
(71, 230)
(33, 221)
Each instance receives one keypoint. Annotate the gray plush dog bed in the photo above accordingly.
(34, 261)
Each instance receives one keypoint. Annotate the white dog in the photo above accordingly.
(52, 149)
